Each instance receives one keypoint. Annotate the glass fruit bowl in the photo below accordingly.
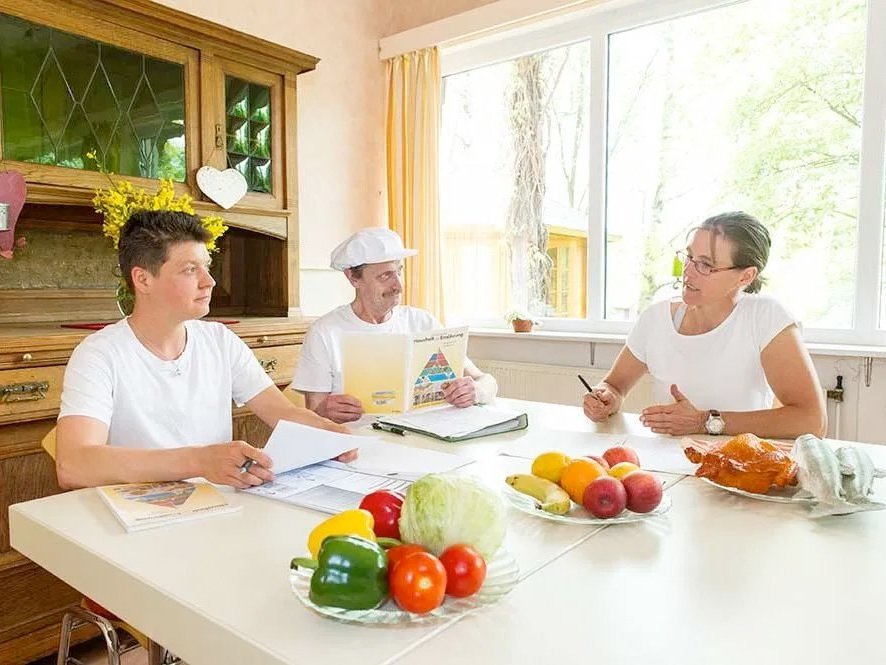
(577, 514)
(502, 574)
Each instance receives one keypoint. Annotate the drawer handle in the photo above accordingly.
(269, 365)
(262, 339)
(24, 392)
(27, 357)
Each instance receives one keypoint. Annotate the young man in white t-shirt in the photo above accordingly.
(149, 397)
(371, 259)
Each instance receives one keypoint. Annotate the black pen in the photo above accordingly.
(246, 465)
(588, 386)
(389, 428)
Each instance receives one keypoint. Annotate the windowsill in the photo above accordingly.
(815, 349)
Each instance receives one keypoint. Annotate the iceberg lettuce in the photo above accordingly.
(442, 510)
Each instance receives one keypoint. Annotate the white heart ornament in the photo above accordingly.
(224, 187)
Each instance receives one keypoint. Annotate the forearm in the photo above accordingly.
(784, 422)
(94, 465)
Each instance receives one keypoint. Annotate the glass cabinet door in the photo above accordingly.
(74, 102)
(249, 133)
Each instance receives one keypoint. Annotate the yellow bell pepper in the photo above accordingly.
(357, 522)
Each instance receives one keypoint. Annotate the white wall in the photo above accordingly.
(341, 143)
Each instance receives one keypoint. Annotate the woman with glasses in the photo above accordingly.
(722, 354)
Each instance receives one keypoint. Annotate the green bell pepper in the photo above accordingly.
(350, 572)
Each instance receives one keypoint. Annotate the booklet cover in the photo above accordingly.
(398, 373)
(146, 505)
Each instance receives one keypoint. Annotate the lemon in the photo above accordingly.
(622, 469)
(550, 466)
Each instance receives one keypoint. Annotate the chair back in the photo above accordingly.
(48, 442)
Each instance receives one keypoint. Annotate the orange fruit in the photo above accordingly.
(622, 469)
(577, 475)
(550, 466)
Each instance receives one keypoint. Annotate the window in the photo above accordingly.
(514, 184)
(675, 111)
(754, 106)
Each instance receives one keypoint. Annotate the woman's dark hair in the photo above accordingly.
(750, 241)
(147, 235)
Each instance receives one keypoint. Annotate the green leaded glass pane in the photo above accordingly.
(63, 96)
(248, 121)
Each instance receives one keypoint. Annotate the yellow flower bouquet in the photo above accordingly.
(117, 203)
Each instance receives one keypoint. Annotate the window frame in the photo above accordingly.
(595, 25)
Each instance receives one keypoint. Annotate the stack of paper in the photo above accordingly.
(306, 474)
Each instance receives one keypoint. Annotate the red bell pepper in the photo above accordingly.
(385, 507)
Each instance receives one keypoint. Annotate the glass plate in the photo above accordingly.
(775, 494)
(502, 574)
(577, 514)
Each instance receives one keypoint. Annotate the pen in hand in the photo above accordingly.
(589, 389)
(247, 465)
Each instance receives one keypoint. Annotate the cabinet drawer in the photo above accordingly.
(279, 361)
(30, 394)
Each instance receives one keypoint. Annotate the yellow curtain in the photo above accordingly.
(412, 132)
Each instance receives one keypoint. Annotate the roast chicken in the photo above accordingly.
(745, 462)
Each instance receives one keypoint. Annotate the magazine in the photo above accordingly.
(147, 505)
(398, 373)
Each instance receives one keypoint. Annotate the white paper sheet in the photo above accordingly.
(656, 453)
(330, 486)
(378, 456)
(293, 446)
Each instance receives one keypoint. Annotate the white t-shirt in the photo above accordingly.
(152, 403)
(720, 369)
(319, 367)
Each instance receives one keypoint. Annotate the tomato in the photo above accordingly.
(385, 507)
(400, 552)
(418, 583)
(465, 570)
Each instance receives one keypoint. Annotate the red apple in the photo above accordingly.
(618, 454)
(643, 490)
(604, 497)
(599, 460)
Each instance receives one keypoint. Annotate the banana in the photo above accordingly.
(551, 497)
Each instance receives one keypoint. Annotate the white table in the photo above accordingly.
(718, 579)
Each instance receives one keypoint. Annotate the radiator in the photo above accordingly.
(556, 383)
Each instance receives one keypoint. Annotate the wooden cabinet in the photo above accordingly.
(143, 91)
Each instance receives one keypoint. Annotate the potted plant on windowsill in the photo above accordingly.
(521, 321)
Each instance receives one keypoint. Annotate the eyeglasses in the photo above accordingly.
(702, 268)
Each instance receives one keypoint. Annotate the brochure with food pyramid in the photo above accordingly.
(146, 505)
(398, 373)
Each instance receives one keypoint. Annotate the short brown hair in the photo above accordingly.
(147, 235)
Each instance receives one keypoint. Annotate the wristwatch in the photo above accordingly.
(715, 423)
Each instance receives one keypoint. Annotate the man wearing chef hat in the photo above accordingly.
(372, 260)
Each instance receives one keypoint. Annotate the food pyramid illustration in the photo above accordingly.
(169, 495)
(428, 387)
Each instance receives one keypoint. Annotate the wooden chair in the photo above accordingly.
(90, 612)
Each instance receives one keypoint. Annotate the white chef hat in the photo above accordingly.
(375, 245)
